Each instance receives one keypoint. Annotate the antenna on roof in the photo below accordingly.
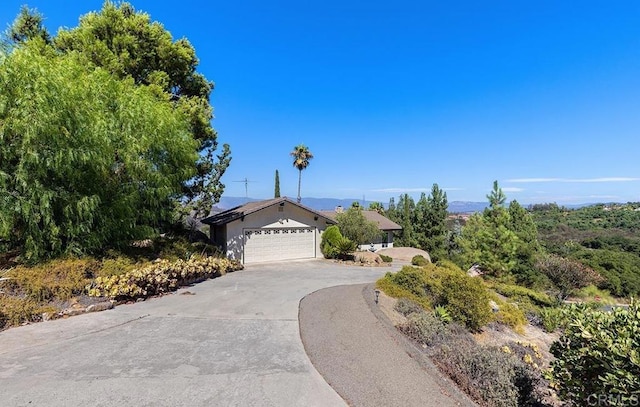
(246, 186)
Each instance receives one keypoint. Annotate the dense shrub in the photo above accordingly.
(59, 279)
(345, 247)
(510, 315)
(442, 314)
(551, 318)
(390, 288)
(407, 307)
(117, 265)
(419, 260)
(160, 277)
(426, 329)
(411, 279)
(466, 299)
(598, 355)
(491, 376)
(14, 311)
(567, 275)
(449, 265)
(385, 258)
(519, 293)
(330, 239)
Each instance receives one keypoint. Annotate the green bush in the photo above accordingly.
(598, 355)
(419, 260)
(59, 279)
(411, 279)
(519, 293)
(510, 315)
(14, 311)
(449, 265)
(442, 314)
(551, 318)
(466, 299)
(390, 288)
(345, 247)
(117, 265)
(386, 259)
(330, 239)
(591, 293)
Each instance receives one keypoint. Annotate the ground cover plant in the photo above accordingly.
(492, 376)
(27, 292)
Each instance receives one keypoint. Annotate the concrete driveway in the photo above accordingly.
(233, 342)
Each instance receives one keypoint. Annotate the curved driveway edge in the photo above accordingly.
(364, 358)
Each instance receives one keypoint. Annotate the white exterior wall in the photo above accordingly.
(378, 244)
(292, 216)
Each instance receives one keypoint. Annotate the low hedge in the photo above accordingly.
(160, 277)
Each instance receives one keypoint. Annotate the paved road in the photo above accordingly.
(234, 343)
(365, 359)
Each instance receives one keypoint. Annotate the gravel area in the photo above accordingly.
(364, 358)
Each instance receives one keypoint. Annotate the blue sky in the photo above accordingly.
(392, 97)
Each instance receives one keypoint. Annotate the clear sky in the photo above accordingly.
(393, 96)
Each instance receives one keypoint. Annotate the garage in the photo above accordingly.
(275, 244)
(277, 229)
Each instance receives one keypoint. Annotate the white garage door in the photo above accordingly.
(279, 244)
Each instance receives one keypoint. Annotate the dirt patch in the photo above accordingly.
(386, 304)
(403, 253)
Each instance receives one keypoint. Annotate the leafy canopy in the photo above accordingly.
(86, 160)
(128, 44)
(355, 226)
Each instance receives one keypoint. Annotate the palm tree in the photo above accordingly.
(301, 156)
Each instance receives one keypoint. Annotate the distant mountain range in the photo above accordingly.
(320, 204)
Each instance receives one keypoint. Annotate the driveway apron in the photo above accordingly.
(231, 341)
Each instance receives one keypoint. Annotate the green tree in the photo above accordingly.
(522, 224)
(354, 226)
(391, 211)
(496, 197)
(567, 275)
(430, 222)
(28, 25)
(488, 242)
(377, 206)
(501, 240)
(404, 216)
(276, 193)
(418, 221)
(84, 161)
(301, 157)
(128, 44)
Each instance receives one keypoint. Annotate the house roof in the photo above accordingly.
(238, 212)
(383, 222)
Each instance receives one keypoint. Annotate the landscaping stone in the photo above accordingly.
(101, 306)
